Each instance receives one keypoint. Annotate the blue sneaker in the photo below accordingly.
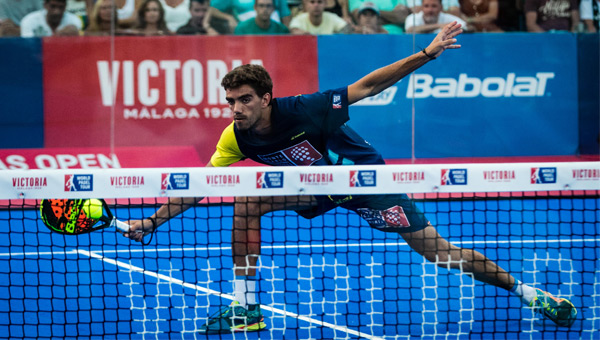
(235, 318)
(560, 311)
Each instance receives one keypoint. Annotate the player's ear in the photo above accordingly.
(266, 99)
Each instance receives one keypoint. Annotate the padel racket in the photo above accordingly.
(74, 216)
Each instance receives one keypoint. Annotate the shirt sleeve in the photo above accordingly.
(27, 26)
(411, 20)
(228, 151)
(585, 10)
(339, 23)
(328, 109)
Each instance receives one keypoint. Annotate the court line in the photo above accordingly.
(130, 267)
(299, 246)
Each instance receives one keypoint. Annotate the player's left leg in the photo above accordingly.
(244, 313)
(435, 248)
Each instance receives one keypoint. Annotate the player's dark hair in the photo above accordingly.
(254, 76)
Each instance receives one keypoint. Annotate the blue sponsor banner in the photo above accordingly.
(22, 105)
(509, 94)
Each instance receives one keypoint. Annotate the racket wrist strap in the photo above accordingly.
(431, 57)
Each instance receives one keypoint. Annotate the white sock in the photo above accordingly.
(244, 288)
(525, 292)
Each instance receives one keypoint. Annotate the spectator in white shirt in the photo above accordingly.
(430, 19)
(51, 20)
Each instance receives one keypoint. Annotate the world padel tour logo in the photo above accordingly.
(175, 181)
(543, 175)
(79, 182)
(269, 179)
(363, 178)
(337, 101)
(454, 176)
(29, 182)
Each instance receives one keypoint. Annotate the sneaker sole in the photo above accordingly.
(255, 327)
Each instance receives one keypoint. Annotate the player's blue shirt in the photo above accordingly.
(307, 130)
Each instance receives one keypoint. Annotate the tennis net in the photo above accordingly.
(328, 277)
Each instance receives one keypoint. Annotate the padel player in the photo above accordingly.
(311, 130)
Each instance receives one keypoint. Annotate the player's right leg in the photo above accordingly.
(244, 313)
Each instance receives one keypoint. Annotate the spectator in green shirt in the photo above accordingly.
(262, 22)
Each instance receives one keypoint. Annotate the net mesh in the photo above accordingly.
(332, 276)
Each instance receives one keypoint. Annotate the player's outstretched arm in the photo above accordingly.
(174, 206)
(382, 78)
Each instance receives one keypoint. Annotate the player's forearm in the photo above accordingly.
(382, 78)
(174, 207)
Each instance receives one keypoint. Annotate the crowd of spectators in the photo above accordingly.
(40, 18)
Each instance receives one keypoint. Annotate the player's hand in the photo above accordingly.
(445, 39)
(138, 229)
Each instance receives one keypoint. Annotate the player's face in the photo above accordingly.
(247, 107)
(431, 11)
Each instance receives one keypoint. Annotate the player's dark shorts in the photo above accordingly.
(394, 212)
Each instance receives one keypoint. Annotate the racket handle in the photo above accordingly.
(122, 226)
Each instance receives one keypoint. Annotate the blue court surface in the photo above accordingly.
(332, 277)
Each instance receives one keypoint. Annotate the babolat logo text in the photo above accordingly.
(425, 86)
(79, 182)
(175, 181)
